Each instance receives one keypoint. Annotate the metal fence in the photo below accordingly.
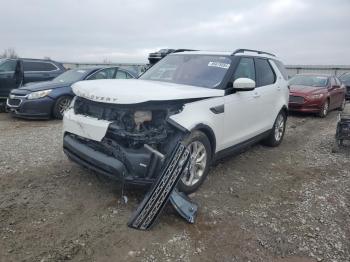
(292, 69)
(319, 69)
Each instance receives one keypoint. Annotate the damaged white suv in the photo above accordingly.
(216, 103)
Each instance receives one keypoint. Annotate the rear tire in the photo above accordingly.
(324, 110)
(62, 103)
(199, 145)
(277, 133)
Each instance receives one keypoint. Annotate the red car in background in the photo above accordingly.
(316, 93)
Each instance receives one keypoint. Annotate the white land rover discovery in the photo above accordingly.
(215, 102)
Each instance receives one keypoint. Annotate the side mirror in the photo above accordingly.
(244, 84)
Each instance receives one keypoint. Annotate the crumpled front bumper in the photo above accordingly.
(134, 167)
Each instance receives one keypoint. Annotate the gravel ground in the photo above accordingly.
(289, 203)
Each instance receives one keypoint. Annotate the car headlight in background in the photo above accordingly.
(39, 94)
(315, 96)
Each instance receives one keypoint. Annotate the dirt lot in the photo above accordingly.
(290, 203)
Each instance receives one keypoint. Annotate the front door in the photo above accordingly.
(241, 114)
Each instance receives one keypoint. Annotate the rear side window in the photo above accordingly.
(107, 73)
(281, 68)
(264, 72)
(38, 66)
(245, 69)
(121, 75)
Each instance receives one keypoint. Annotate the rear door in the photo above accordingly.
(7, 77)
(269, 92)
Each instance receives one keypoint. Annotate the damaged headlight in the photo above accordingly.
(142, 116)
(39, 94)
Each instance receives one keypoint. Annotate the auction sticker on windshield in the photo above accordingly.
(218, 64)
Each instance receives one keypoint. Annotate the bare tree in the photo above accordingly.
(9, 53)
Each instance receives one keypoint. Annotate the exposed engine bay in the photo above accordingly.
(133, 126)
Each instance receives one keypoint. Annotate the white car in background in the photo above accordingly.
(215, 102)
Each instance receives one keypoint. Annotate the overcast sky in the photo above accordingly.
(298, 31)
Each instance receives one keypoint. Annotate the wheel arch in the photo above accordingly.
(208, 131)
(58, 97)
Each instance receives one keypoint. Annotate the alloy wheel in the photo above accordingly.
(198, 163)
(64, 104)
(279, 127)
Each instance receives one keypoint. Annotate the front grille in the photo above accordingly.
(296, 99)
(94, 109)
(14, 102)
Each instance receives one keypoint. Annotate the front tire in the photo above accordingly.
(199, 145)
(62, 103)
(324, 110)
(277, 133)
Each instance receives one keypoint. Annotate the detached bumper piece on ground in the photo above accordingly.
(164, 189)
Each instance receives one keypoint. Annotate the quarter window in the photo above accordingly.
(245, 69)
(38, 66)
(264, 72)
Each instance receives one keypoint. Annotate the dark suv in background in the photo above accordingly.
(17, 72)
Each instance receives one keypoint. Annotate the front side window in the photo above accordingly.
(107, 73)
(333, 83)
(245, 69)
(8, 66)
(190, 69)
(264, 72)
(38, 66)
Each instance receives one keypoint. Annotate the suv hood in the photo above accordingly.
(133, 91)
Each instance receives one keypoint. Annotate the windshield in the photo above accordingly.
(197, 70)
(305, 80)
(70, 76)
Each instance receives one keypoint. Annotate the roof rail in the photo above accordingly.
(250, 50)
